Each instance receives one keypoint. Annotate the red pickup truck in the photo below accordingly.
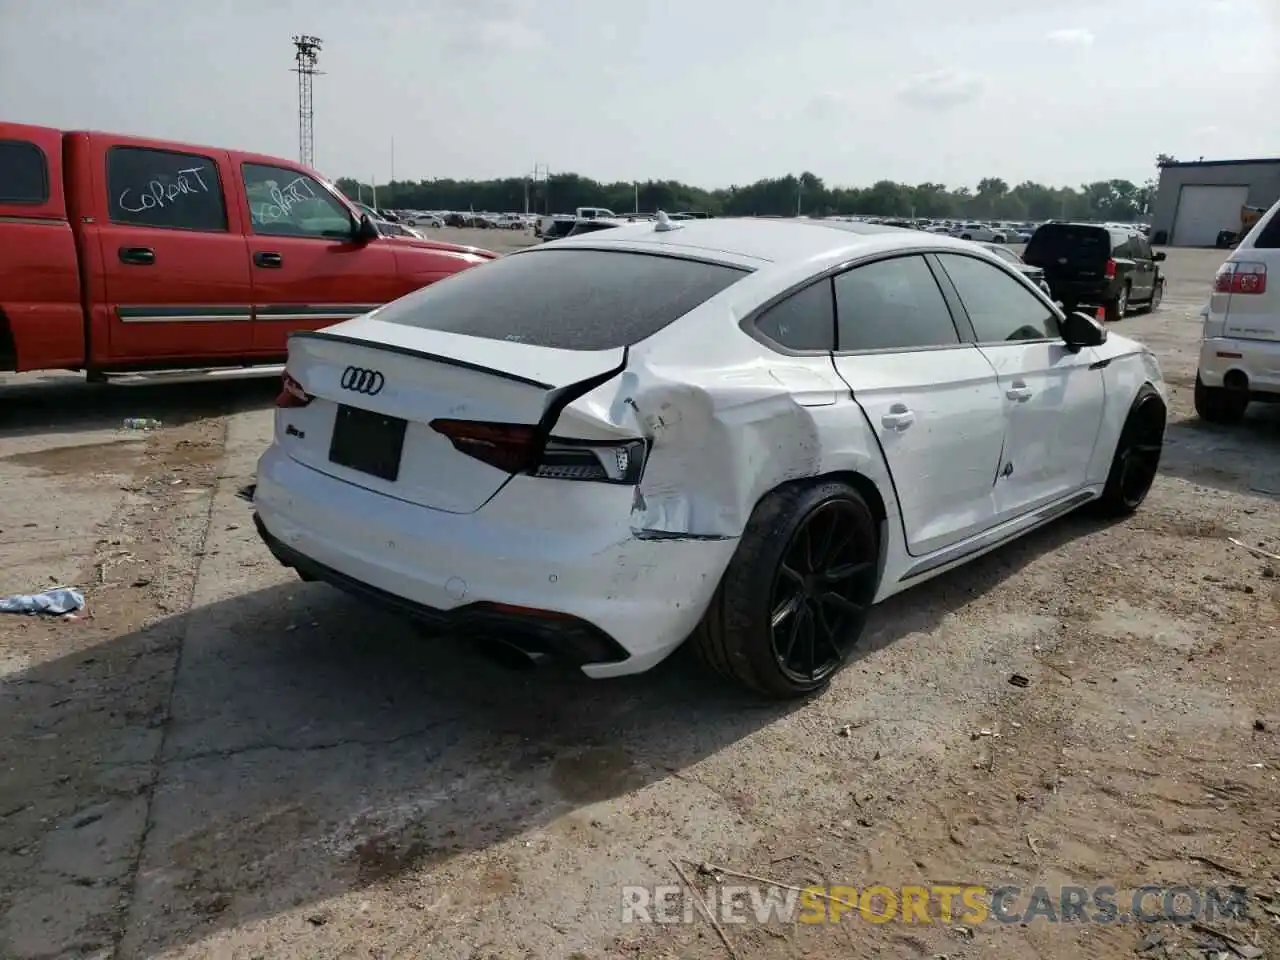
(121, 253)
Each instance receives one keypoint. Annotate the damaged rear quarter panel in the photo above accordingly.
(725, 432)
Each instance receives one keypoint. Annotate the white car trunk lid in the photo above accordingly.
(376, 387)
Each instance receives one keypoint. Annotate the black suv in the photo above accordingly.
(1094, 264)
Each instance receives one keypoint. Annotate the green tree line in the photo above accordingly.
(806, 194)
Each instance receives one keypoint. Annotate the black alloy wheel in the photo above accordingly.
(821, 594)
(1137, 457)
(1140, 463)
(794, 600)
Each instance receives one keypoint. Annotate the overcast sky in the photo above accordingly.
(712, 92)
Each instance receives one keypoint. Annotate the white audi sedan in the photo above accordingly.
(739, 432)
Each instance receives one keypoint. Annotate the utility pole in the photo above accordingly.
(636, 184)
(306, 54)
(542, 173)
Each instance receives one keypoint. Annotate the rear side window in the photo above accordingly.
(163, 188)
(1269, 237)
(806, 320)
(24, 173)
(892, 305)
(566, 299)
(1078, 244)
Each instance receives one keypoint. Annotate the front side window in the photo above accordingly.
(286, 203)
(163, 188)
(24, 173)
(999, 307)
(803, 321)
(892, 305)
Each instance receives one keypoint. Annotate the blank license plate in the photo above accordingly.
(369, 442)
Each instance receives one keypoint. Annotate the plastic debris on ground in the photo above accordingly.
(58, 601)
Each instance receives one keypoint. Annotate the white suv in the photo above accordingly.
(1240, 350)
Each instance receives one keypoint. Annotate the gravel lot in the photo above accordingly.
(223, 762)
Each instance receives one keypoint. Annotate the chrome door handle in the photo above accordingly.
(1019, 392)
(898, 418)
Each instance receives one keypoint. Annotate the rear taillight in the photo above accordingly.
(1240, 278)
(1111, 269)
(511, 447)
(516, 448)
(292, 394)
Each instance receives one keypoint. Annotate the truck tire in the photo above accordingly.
(1117, 308)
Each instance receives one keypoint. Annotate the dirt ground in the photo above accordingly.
(223, 762)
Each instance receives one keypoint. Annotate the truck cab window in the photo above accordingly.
(24, 174)
(286, 203)
(161, 188)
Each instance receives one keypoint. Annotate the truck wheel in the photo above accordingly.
(1219, 405)
(794, 599)
(1117, 308)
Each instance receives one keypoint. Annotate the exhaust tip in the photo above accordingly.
(507, 654)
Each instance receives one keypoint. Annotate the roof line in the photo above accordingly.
(1218, 163)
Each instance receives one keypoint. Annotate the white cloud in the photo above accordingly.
(1072, 36)
(829, 103)
(509, 35)
(942, 89)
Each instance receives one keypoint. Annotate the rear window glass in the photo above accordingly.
(24, 174)
(1063, 240)
(566, 299)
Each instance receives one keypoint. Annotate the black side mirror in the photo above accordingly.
(1158, 255)
(366, 229)
(1080, 330)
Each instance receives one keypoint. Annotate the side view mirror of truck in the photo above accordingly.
(366, 229)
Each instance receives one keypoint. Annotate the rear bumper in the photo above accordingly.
(589, 592)
(1225, 358)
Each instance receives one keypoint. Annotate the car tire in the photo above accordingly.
(1137, 458)
(965, 236)
(785, 617)
(1218, 404)
(1117, 308)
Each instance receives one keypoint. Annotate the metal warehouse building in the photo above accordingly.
(1196, 200)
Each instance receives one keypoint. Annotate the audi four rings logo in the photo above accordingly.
(363, 381)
